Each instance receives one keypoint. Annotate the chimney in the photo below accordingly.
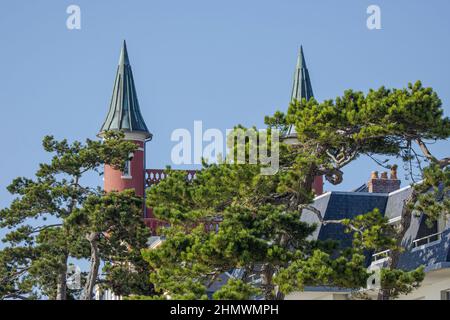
(384, 184)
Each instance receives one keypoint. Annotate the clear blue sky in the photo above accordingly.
(223, 62)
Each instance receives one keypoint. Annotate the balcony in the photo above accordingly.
(154, 176)
(382, 255)
(427, 240)
(425, 251)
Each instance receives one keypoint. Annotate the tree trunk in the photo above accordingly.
(267, 284)
(95, 264)
(61, 288)
(306, 185)
(279, 295)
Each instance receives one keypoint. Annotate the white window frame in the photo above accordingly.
(126, 174)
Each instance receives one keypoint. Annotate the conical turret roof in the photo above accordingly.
(124, 112)
(301, 87)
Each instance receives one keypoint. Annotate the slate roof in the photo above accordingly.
(339, 205)
(344, 205)
(434, 255)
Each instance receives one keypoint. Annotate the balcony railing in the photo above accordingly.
(416, 243)
(428, 239)
(380, 255)
(154, 176)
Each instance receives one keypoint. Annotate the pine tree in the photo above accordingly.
(260, 230)
(55, 218)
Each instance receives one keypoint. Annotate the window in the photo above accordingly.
(127, 169)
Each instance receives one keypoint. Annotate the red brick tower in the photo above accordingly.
(124, 114)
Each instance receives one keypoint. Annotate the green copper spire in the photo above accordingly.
(301, 87)
(124, 112)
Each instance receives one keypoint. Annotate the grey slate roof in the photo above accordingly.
(342, 205)
(301, 87)
(339, 205)
(124, 112)
(427, 255)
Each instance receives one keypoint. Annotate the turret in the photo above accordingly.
(302, 89)
(301, 86)
(124, 114)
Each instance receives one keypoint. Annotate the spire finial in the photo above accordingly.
(301, 59)
(124, 54)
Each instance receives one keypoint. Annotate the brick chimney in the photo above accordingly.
(384, 184)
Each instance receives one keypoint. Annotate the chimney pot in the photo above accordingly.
(383, 184)
(374, 175)
(394, 172)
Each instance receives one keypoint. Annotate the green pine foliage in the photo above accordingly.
(55, 218)
(261, 231)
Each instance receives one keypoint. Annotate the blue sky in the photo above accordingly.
(222, 62)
